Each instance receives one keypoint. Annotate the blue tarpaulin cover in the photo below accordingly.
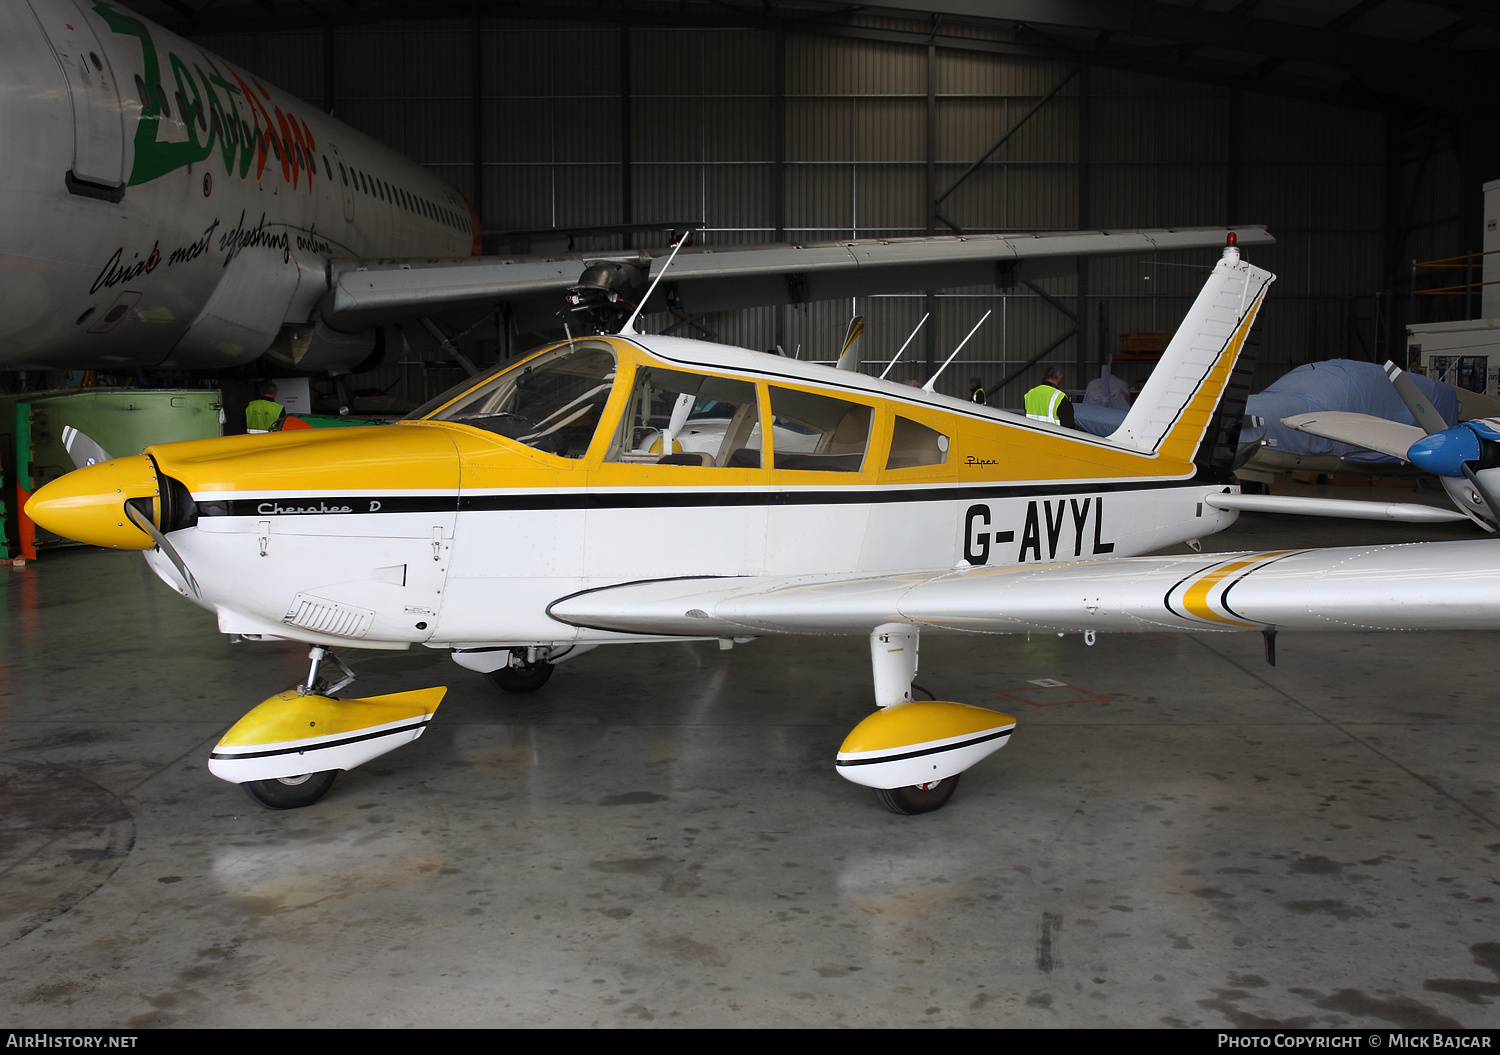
(1338, 384)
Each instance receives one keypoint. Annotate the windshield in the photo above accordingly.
(552, 403)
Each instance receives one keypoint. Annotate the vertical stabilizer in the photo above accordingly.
(849, 354)
(1177, 404)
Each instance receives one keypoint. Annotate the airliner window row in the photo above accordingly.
(376, 187)
(371, 185)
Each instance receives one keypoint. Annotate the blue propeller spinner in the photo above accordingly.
(1445, 453)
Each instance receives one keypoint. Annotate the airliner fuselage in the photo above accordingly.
(164, 207)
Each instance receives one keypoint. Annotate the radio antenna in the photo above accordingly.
(629, 327)
(903, 347)
(933, 379)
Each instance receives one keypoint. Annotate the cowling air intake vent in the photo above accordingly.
(328, 617)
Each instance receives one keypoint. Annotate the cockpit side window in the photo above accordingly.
(914, 444)
(818, 432)
(708, 421)
(552, 403)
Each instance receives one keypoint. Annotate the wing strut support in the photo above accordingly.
(448, 346)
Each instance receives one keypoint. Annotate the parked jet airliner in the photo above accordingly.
(164, 207)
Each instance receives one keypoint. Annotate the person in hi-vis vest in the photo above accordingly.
(1048, 402)
(264, 414)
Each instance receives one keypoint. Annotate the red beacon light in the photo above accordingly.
(1231, 248)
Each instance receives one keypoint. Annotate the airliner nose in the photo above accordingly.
(88, 504)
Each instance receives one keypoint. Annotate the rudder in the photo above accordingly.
(1177, 405)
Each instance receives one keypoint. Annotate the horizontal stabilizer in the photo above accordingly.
(1380, 435)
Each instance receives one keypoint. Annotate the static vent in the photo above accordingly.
(328, 617)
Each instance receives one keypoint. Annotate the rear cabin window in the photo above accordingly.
(711, 421)
(819, 433)
(914, 444)
(552, 402)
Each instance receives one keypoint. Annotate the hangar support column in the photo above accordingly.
(476, 113)
(1082, 320)
(626, 192)
(929, 339)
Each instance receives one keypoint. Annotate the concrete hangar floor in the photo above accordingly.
(1178, 835)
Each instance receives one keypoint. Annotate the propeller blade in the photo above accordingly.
(142, 521)
(81, 449)
(1421, 409)
(680, 411)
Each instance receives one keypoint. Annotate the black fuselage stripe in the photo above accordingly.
(579, 499)
(319, 747)
(925, 751)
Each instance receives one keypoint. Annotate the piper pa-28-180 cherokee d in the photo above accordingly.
(548, 509)
(165, 208)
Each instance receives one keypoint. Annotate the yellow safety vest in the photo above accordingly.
(1042, 403)
(261, 415)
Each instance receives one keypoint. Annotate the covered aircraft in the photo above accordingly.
(1342, 385)
(166, 208)
(1460, 455)
(1285, 429)
(547, 509)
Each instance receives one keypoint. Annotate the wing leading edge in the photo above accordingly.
(366, 292)
(1419, 586)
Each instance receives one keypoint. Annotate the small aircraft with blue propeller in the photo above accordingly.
(1465, 457)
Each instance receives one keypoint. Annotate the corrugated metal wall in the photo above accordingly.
(702, 122)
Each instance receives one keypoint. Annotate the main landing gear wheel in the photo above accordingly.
(920, 798)
(528, 677)
(290, 793)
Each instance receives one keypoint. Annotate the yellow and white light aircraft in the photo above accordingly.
(549, 508)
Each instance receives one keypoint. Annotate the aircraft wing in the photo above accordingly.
(367, 292)
(1381, 435)
(1420, 586)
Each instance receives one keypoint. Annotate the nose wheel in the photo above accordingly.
(290, 793)
(918, 798)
